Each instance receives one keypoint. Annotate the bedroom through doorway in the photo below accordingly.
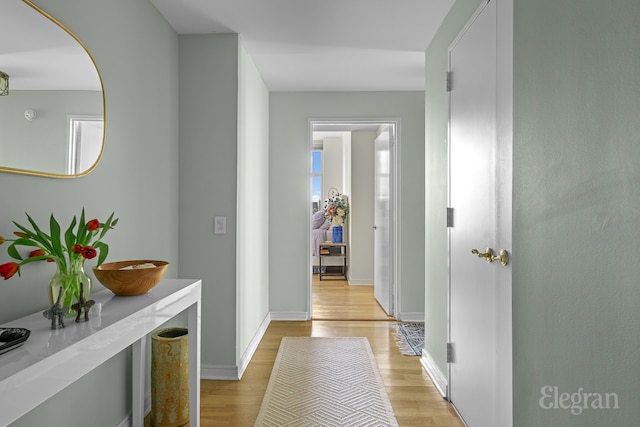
(355, 160)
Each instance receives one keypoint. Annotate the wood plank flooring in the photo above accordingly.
(414, 398)
(336, 300)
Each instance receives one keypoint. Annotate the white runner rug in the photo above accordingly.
(325, 382)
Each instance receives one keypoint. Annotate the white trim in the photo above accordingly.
(464, 29)
(412, 316)
(439, 379)
(253, 345)
(360, 282)
(290, 315)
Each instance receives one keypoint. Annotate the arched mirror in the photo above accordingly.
(52, 118)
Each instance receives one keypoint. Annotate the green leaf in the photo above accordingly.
(55, 237)
(26, 242)
(69, 237)
(104, 251)
(13, 252)
(108, 225)
(82, 230)
(40, 237)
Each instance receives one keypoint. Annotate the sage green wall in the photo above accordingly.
(137, 54)
(208, 183)
(436, 172)
(576, 207)
(289, 181)
(42, 144)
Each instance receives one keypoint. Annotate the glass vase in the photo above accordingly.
(69, 282)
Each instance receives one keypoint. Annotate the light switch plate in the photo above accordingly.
(220, 225)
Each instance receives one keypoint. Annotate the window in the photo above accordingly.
(316, 180)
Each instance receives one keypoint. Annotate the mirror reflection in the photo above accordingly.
(52, 118)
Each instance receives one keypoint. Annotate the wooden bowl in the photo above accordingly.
(131, 281)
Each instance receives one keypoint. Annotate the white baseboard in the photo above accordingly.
(438, 378)
(360, 282)
(253, 345)
(411, 317)
(290, 315)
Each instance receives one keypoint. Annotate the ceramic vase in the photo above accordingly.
(170, 377)
(336, 234)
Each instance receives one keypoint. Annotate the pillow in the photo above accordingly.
(317, 220)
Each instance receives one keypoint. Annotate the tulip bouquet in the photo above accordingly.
(81, 241)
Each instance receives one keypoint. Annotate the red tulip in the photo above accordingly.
(1, 240)
(93, 225)
(88, 252)
(36, 252)
(77, 248)
(9, 269)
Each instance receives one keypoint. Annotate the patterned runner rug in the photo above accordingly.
(325, 382)
(409, 338)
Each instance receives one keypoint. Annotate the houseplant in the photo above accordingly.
(81, 241)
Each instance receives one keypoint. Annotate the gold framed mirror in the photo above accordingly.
(52, 119)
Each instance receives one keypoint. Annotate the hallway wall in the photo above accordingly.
(576, 208)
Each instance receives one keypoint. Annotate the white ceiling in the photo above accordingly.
(38, 54)
(330, 45)
(297, 45)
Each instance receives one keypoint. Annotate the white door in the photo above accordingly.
(475, 332)
(84, 142)
(382, 271)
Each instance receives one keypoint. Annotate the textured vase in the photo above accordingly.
(336, 234)
(170, 377)
(70, 285)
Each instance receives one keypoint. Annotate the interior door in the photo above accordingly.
(473, 369)
(383, 274)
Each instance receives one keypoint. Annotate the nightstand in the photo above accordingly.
(333, 250)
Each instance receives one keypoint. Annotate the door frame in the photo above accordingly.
(355, 123)
(504, 215)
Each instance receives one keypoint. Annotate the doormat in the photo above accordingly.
(325, 382)
(409, 338)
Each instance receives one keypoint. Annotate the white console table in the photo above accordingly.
(50, 360)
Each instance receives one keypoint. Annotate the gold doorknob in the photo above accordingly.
(490, 257)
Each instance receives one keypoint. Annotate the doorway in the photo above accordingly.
(369, 236)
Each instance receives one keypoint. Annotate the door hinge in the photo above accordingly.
(449, 217)
(448, 81)
(449, 352)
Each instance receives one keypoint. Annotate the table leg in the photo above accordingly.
(194, 364)
(138, 381)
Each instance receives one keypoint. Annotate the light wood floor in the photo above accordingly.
(415, 400)
(337, 300)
